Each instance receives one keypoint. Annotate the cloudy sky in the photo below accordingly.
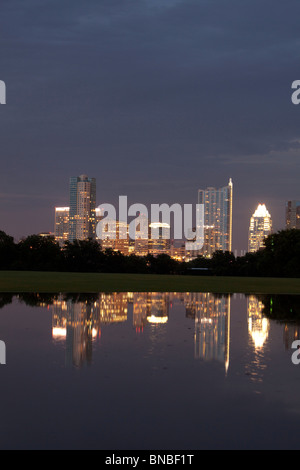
(154, 98)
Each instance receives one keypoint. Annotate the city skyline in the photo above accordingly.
(240, 230)
(218, 224)
(137, 106)
(79, 222)
(150, 226)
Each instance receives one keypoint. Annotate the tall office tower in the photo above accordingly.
(159, 239)
(62, 220)
(292, 215)
(82, 208)
(260, 228)
(141, 240)
(217, 219)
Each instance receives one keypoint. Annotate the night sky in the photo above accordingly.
(154, 98)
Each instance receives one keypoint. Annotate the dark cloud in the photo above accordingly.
(184, 94)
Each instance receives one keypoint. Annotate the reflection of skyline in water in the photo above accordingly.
(80, 323)
(258, 324)
(150, 307)
(258, 331)
(212, 325)
(291, 333)
(76, 324)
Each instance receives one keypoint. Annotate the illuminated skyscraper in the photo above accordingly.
(293, 215)
(260, 228)
(62, 220)
(141, 241)
(217, 219)
(82, 208)
(159, 239)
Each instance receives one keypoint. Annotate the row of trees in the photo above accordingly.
(36, 253)
(279, 258)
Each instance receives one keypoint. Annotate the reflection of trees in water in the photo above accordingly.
(81, 298)
(37, 300)
(42, 300)
(283, 308)
(262, 309)
(6, 299)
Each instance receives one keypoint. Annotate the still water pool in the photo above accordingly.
(153, 371)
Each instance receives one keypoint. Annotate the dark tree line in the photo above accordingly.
(36, 253)
(279, 258)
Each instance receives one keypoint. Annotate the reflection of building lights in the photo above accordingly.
(158, 320)
(259, 331)
(212, 326)
(258, 325)
(59, 332)
(94, 333)
(206, 320)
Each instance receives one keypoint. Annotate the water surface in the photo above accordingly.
(149, 371)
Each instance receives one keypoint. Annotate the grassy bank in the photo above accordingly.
(19, 282)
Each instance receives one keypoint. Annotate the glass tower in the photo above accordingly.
(62, 223)
(217, 219)
(260, 228)
(82, 208)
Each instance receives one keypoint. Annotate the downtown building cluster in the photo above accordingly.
(79, 221)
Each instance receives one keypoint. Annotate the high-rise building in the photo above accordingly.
(159, 239)
(260, 228)
(217, 219)
(141, 240)
(82, 208)
(292, 213)
(62, 220)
